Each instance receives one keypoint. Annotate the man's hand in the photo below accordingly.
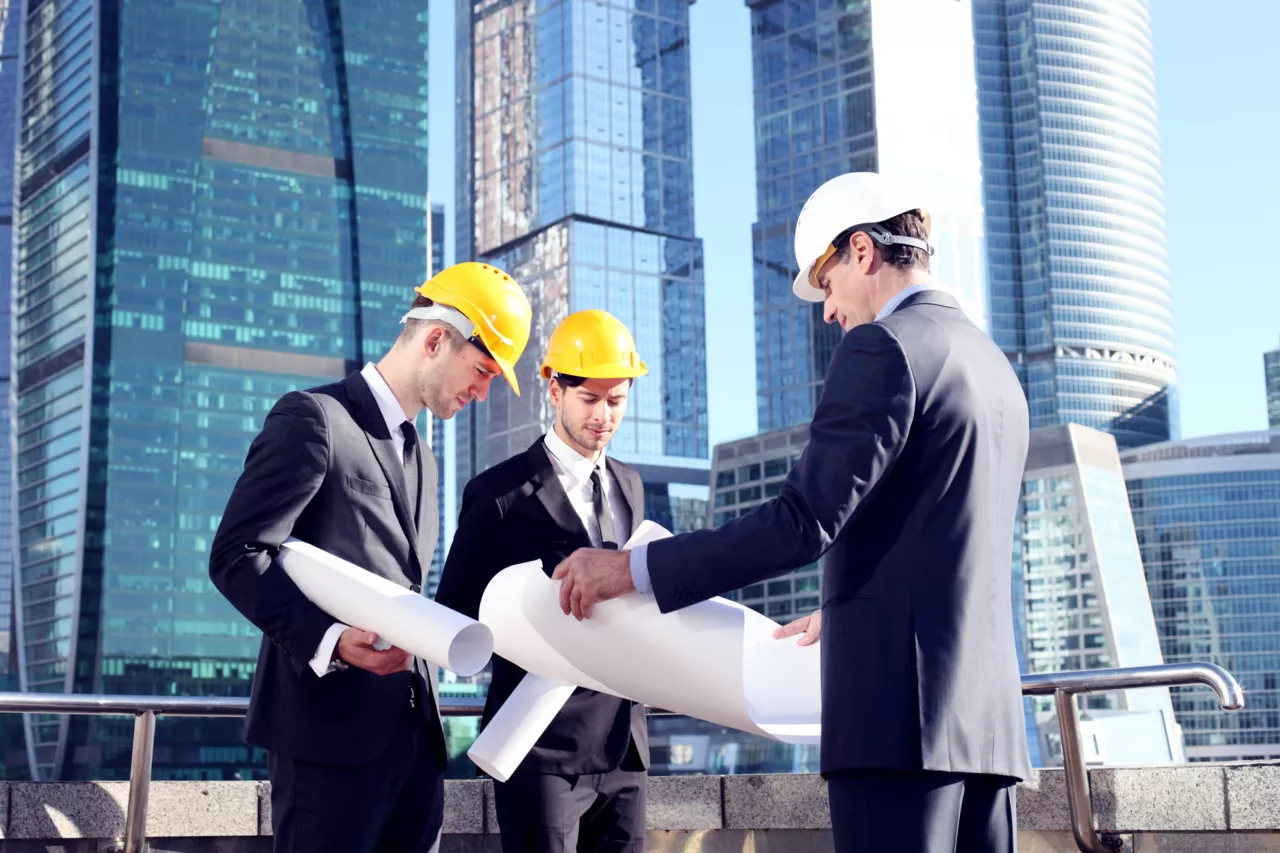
(592, 575)
(810, 626)
(356, 648)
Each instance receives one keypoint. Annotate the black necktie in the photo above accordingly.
(412, 476)
(600, 506)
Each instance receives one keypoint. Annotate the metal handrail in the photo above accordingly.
(1063, 686)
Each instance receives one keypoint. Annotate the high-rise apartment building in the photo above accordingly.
(1207, 514)
(575, 176)
(844, 87)
(216, 203)
(1077, 257)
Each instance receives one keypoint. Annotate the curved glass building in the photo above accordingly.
(1207, 515)
(1079, 271)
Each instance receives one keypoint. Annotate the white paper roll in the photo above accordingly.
(518, 724)
(400, 616)
(717, 661)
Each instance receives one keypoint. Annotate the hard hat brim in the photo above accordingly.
(508, 373)
(806, 291)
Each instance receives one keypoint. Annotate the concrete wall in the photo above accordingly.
(1182, 808)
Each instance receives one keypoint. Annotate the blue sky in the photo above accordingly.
(1217, 69)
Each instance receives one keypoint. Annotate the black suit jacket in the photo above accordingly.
(909, 486)
(512, 513)
(325, 470)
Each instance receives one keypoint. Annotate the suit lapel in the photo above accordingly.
(369, 417)
(551, 494)
(632, 490)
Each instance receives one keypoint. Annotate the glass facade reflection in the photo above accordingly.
(576, 172)
(228, 204)
(1207, 514)
(1083, 597)
(1077, 255)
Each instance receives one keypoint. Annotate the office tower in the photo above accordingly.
(744, 474)
(1080, 294)
(1271, 366)
(430, 427)
(216, 203)
(575, 176)
(1086, 603)
(860, 85)
(1207, 514)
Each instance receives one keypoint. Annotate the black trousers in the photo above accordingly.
(922, 812)
(546, 813)
(394, 804)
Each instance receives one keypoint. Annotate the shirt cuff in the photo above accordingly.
(640, 569)
(322, 664)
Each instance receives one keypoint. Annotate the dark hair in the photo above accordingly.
(413, 324)
(567, 381)
(909, 224)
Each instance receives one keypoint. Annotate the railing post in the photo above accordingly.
(1079, 797)
(135, 816)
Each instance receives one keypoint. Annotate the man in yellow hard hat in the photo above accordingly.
(908, 490)
(582, 786)
(355, 747)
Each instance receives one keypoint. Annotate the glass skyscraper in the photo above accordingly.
(216, 203)
(1078, 264)
(1271, 366)
(12, 760)
(575, 176)
(1207, 513)
(840, 87)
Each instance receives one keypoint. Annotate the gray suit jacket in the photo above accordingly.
(324, 469)
(908, 489)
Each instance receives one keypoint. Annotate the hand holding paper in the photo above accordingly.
(592, 575)
(404, 618)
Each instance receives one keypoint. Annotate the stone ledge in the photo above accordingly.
(1191, 798)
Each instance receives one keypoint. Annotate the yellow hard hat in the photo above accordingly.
(496, 307)
(594, 345)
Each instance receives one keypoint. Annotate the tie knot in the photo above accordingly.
(409, 431)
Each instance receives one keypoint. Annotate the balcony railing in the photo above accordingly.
(1063, 686)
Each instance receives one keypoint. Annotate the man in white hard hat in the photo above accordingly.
(908, 490)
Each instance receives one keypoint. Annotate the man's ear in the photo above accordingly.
(555, 391)
(435, 342)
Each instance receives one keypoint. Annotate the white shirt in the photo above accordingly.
(393, 414)
(574, 472)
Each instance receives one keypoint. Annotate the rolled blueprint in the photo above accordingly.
(400, 616)
(717, 661)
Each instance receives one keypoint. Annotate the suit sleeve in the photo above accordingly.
(858, 430)
(282, 473)
(473, 559)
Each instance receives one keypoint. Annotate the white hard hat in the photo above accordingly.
(854, 198)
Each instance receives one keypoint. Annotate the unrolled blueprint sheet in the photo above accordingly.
(400, 616)
(716, 661)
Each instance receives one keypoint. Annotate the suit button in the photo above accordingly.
(415, 587)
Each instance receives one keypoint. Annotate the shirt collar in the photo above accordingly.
(392, 413)
(578, 466)
(901, 296)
